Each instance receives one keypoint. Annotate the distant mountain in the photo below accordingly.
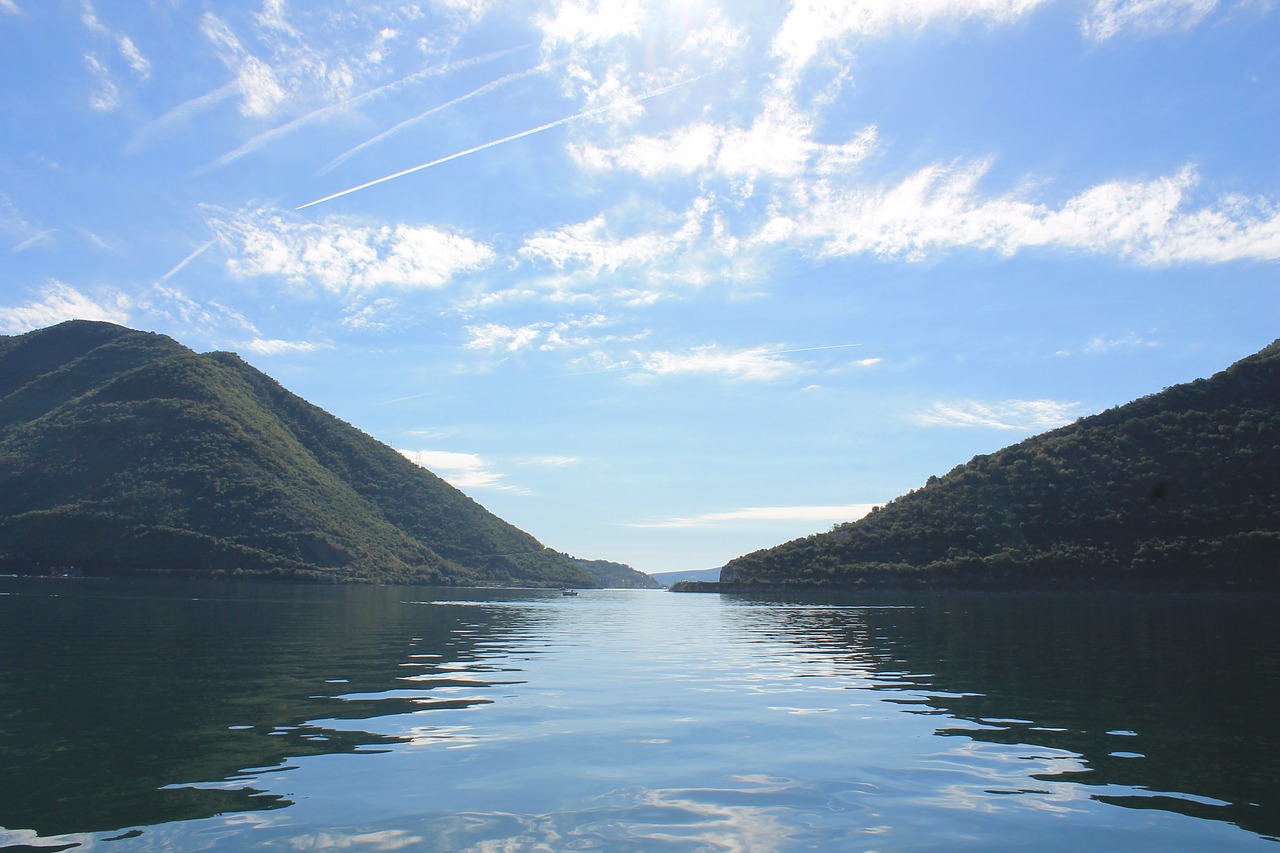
(1177, 489)
(671, 578)
(126, 452)
(615, 575)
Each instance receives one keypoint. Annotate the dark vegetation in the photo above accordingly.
(615, 575)
(1179, 489)
(123, 452)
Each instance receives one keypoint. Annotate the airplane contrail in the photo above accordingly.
(182, 263)
(521, 135)
(487, 87)
(176, 116)
(811, 349)
(266, 136)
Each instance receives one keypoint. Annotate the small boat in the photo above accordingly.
(567, 591)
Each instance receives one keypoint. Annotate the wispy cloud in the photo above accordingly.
(107, 95)
(260, 346)
(10, 6)
(780, 142)
(550, 461)
(340, 256)
(547, 336)
(58, 302)
(1108, 18)
(462, 470)
(212, 319)
(813, 25)
(764, 515)
(128, 50)
(755, 364)
(585, 24)
(941, 208)
(260, 91)
(1022, 415)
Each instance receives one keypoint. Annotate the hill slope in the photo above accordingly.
(1180, 488)
(124, 452)
(610, 575)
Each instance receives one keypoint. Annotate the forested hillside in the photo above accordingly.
(125, 452)
(1177, 489)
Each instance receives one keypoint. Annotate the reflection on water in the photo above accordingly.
(164, 716)
(1153, 702)
(131, 703)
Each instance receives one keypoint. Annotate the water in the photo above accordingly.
(215, 716)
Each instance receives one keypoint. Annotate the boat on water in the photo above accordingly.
(567, 591)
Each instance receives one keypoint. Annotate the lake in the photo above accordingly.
(192, 716)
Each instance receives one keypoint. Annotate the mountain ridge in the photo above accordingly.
(124, 451)
(1175, 489)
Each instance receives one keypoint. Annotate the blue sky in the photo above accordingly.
(659, 282)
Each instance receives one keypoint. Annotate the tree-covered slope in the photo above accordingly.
(122, 452)
(1180, 488)
(616, 575)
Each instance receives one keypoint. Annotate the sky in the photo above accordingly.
(659, 282)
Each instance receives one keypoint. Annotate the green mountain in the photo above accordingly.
(615, 575)
(125, 452)
(1177, 489)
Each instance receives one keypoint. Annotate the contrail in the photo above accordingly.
(176, 116)
(811, 349)
(487, 87)
(182, 263)
(521, 135)
(266, 136)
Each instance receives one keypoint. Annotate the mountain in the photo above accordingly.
(126, 452)
(1177, 489)
(615, 575)
(702, 575)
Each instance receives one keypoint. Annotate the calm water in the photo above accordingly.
(172, 716)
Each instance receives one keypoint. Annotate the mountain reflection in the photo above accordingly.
(136, 704)
(1164, 702)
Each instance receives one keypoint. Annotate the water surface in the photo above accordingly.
(153, 715)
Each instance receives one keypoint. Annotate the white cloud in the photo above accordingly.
(59, 302)
(261, 346)
(472, 9)
(550, 461)
(1036, 415)
(495, 336)
(139, 63)
(1107, 18)
(547, 336)
(757, 363)
(259, 88)
(1101, 344)
(940, 208)
(342, 257)
(461, 470)
(107, 95)
(592, 246)
(206, 317)
(811, 25)
(585, 23)
(779, 143)
(10, 6)
(758, 515)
